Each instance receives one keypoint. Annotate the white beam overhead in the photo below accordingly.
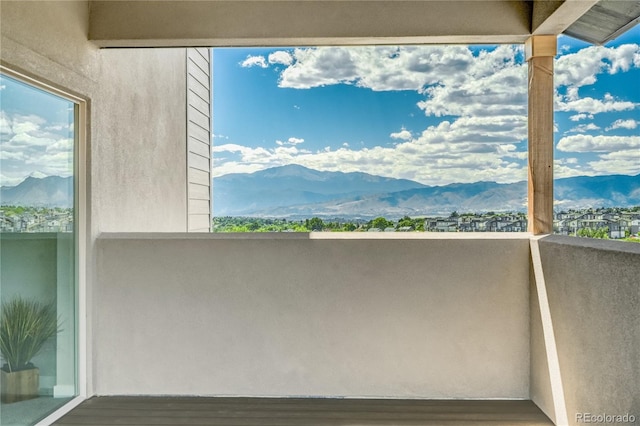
(270, 22)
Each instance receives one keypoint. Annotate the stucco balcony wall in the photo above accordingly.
(594, 300)
(312, 315)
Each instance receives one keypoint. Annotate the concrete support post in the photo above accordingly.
(540, 52)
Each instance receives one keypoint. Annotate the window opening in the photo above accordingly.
(597, 142)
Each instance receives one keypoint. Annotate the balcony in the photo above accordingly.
(409, 317)
(495, 328)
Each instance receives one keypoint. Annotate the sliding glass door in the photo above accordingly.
(38, 250)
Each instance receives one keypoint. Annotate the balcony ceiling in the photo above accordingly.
(605, 21)
(310, 22)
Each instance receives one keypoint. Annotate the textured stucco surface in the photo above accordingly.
(540, 383)
(291, 316)
(139, 172)
(594, 296)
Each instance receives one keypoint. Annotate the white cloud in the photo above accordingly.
(59, 127)
(280, 57)
(575, 70)
(61, 145)
(3, 86)
(5, 124)
(383, 68)
(32, 145)
(563, 168)
(454, 80)
(592, 106)
(433, 164)
(625, 161)
(403, 134)
(623, 124)
(499, 129)
(315, 67)
(582, 68)
(254, 61)
(8, 155)
(600, 143)
(465, 150)
(492, 87)
(290, 141)
(581, 116)
(27, 140)
(10, 180)
(295, 141)
(583, 128)
(26, 123)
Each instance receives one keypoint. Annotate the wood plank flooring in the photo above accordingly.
(301, 412)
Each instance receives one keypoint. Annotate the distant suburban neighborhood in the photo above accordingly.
(608, 223)
(35, 219)
(614, 223)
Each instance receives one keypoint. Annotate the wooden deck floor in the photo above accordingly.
(300, 412)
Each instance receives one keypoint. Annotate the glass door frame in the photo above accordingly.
(80, 228)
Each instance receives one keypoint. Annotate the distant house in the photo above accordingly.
(634, 225)
(516, 226)
(7, 224)
(446, 225)
(616, 230)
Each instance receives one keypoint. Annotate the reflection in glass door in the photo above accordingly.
(38, 240)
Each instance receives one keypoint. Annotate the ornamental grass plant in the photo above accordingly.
(25, 326)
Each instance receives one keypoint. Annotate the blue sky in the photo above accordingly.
(435, 114)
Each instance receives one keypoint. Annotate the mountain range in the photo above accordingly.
(49, 191)
(295, 191)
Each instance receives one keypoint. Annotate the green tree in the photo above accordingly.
(404, 222)
(380, 223)
(314, 224)
(349, 227)
(585, 232)
(602, 233)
